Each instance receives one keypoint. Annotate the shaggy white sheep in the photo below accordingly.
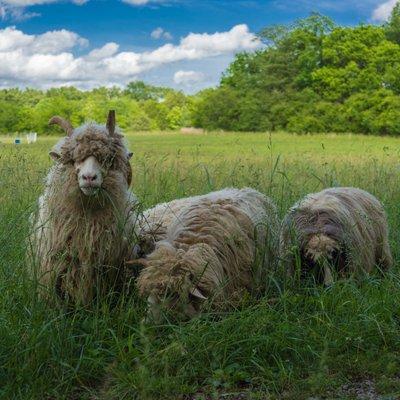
(85, 224)
(344, 228)
(205, 248)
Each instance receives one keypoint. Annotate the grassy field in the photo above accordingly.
(309, 342)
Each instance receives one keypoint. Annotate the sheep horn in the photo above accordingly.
(196, 293)
(63, 123)
(111, 122)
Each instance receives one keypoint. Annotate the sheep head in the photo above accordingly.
(94, 154)
(169, 284)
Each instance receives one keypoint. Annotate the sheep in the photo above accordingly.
(205, 250)
(85, 223)
(343, 228)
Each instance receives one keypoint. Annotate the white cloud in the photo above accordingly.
(27, 3)
(238, 38)
(19, 14)
(47, 59)
(159, 33)
(107, 50)
(16, 9)
(382, 12)
(136, 2)
(142, 2)
(51, 42)
(187, 78)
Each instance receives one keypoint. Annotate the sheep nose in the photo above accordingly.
(89, 178)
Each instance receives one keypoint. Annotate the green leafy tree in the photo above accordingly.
(392, 27)
(312, 76)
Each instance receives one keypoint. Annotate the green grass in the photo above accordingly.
(293, 343)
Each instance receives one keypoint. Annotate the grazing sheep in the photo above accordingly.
(84, 227)
(205, 250)
(344, 228)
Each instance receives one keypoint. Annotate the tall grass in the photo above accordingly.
(295, 342)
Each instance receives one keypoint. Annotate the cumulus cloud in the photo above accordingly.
(108, 50)
(159, 33)
(48, 59)
(187, 78)
(52, 42)
(382, 12)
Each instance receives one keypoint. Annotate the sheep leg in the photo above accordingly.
(386, 259)
(328, 277)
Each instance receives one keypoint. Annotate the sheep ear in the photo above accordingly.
(111, 122)
(54, 155)
(63, 123)
(196, 293)
(129, 174)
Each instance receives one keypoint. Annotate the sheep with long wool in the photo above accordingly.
(338, 231)
(205, 249)
(85, 224)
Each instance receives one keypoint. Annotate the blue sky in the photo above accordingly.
(180, 43)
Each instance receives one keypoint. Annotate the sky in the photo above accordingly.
(184, 44)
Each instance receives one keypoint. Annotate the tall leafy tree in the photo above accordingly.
(392, 27)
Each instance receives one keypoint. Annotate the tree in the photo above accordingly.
(140, 91)
(392, 27)
(217, 109)
(311, 77)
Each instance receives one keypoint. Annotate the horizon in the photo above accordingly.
(182, 44)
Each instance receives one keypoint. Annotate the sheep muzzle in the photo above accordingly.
(89, 175)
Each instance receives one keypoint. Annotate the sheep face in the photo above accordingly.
(90, 175)
(176, 296)
(323, 256)
(169, 285)
(95, 165)
(319, 246)
(94, 156)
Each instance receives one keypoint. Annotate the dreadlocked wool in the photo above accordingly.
(205, 250)
(341, 227)
(80, 242)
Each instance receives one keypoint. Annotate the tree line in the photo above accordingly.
(311, 76)
(138, 106)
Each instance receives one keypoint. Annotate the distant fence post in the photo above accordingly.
(31, 137)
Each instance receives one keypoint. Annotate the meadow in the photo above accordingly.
(295, 342)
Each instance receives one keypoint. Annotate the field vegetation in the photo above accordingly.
(297, 341)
